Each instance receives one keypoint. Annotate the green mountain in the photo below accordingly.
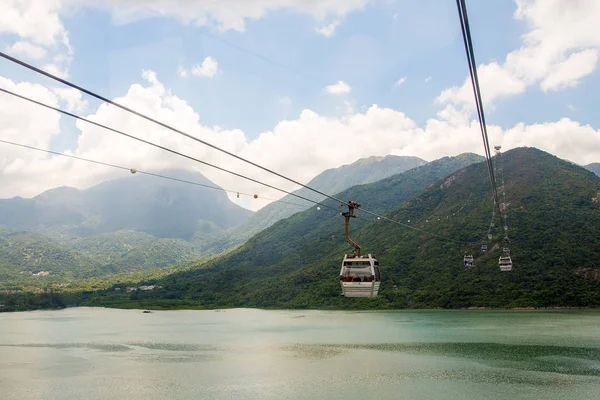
(129, 224)
(335, 180)
(23, 254)
(275, 266)
(553, 220)
(594, 167)
(141, 222)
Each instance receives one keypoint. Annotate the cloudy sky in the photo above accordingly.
(298, 86)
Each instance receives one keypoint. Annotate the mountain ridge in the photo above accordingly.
(361, 171)
(554, 213)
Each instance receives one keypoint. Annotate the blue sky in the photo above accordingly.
(370, 50)
(279, 65)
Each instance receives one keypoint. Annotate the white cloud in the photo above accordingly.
(35, 20)
(182, 72)
(300, 148)
(495, 82)
(224, 14)
(428, 79)
(56, 70)
(340, 87)
(568, 72)
(401, 81)
(559, 49)
(208, 69)
(72, 99)
(23, 171)
(40, 31)
(26, 49)
(571, 107)
(327, 30)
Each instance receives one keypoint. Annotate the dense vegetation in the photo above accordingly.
(554, 219)
(142, 222)
(363, 171)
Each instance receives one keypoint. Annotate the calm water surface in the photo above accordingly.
(90, 353)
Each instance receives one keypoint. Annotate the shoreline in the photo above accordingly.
(149, 309)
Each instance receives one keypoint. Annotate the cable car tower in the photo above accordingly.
(504, 262)
(359, 275)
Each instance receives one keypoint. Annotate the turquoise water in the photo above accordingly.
(89, 353)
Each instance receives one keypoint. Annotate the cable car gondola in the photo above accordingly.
(505, 263)
(468, 260)
(483, 248)
(359, 276)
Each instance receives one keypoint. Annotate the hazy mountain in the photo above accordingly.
(133, 223)
(335, 180)
(143, 203)
(594, 167)
(554, 224)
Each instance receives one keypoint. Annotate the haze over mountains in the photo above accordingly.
(143, 203)
(141, 222)
(594, 167)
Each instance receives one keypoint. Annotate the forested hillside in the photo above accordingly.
(334, 180)
(554, 224)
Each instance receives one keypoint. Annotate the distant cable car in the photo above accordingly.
(468, 260)
(483, 248)
(359, 276)
(133, 170)
(238, 195)
(505, 263)
(256, 196)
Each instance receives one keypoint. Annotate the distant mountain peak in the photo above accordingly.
(58, 192)
(594, 167)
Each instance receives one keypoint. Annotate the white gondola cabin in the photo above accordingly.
(468, 260)
(505, 263)
(360, 276)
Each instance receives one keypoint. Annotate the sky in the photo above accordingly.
(298, 86)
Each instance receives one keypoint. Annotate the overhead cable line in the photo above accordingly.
(56, 78)
(135, 170)
(160, 147)
(164, 125)
(265, 59)
(447, 239)
(193, 159)
(466, 33)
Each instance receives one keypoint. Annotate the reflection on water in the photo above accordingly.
(256, 354)
(563, 360)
